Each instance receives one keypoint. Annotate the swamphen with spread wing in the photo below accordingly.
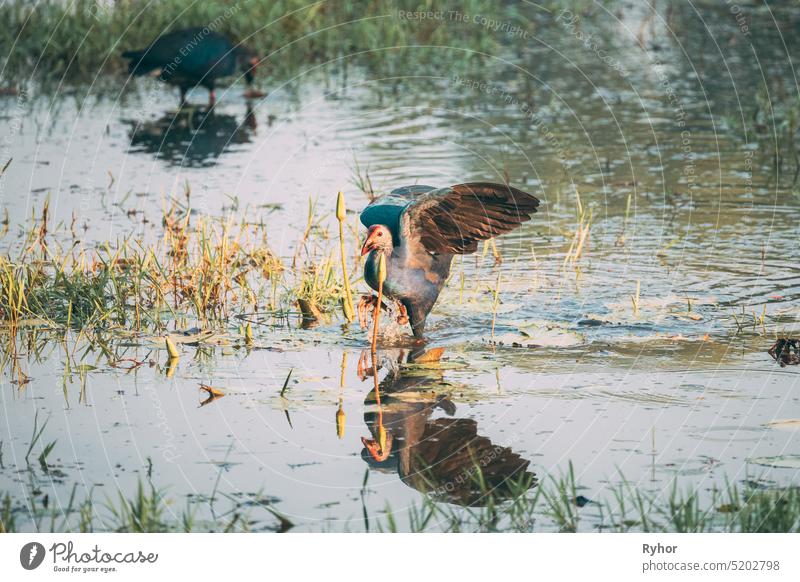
(191, 57)
(419, 229)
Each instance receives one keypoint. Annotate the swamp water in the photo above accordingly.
(641, 355)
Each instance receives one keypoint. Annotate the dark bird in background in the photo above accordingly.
(419, 229)
(431, 450)
(191, 57)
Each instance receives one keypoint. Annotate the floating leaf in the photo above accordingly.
(84, 367)
(215, 392)
(687, 315)
(785, 424)
(430, 356)
(534, 335)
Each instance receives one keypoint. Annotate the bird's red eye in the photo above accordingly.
(380, 234)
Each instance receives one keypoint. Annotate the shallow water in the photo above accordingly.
(678, 390)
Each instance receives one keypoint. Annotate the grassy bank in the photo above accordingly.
(83, 38)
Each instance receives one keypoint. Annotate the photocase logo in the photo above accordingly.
(31, 555)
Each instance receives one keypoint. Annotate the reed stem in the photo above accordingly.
(377, 313)
(347, 303)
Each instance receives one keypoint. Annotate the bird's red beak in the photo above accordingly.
(367, 246)
(375, 451)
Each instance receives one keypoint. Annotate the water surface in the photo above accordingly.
(685, 200)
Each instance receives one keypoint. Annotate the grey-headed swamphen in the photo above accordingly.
(191, 57)
(420, 228)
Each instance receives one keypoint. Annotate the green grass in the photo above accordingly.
(207, 270)
(81, 38)
(557, 505)
(554, 505)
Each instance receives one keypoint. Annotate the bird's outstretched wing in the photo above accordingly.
(453, 220)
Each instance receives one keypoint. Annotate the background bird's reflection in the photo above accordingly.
(192, 137)
(414, 431)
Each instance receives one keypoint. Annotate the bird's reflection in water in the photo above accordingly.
(414, 432)
(192, 136)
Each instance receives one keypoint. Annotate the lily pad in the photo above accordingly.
(687, 315)
(540, 334)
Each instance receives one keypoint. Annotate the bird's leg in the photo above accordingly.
(366, 305)
(183, 98)
(402, 314)
(365, 367)
(212, 99)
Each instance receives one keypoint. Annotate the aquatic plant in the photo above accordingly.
(556, 504)
(377, 310)
(524, 506)
(581, 236)
(204, 270)
(347, 300)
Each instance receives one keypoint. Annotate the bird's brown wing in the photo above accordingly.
(453, 220)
